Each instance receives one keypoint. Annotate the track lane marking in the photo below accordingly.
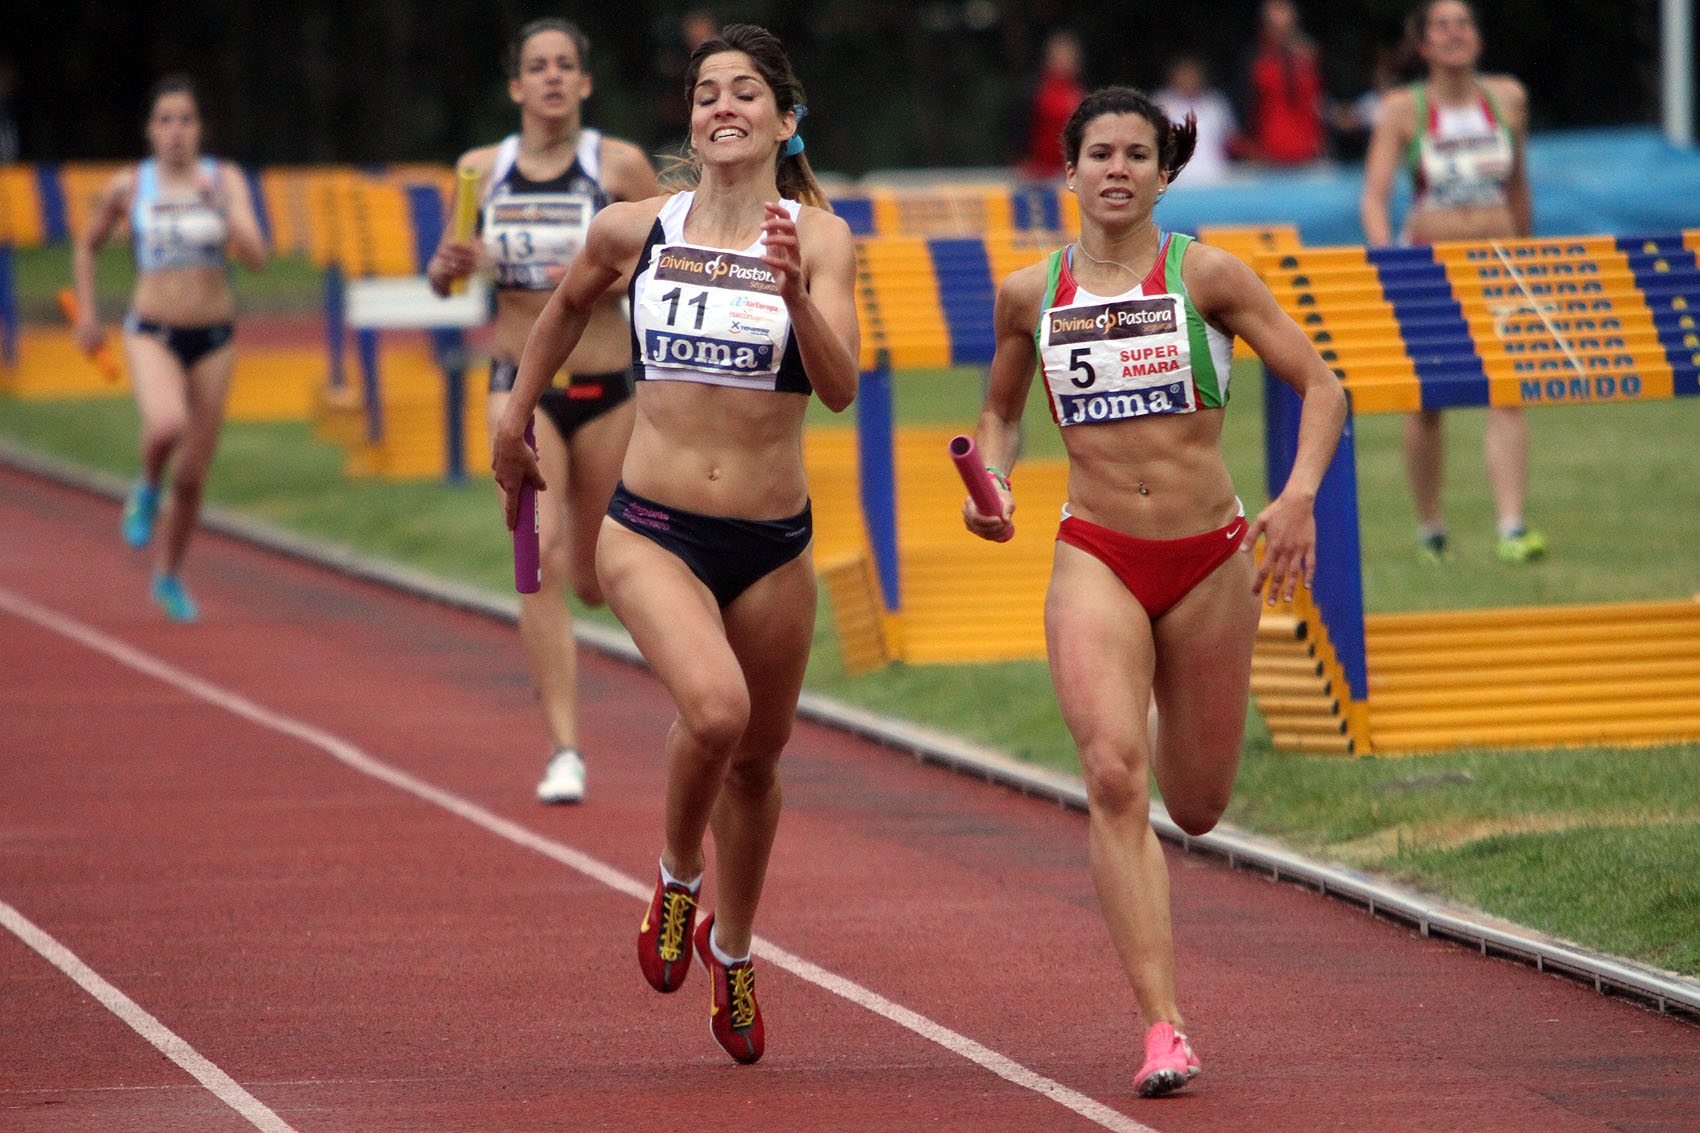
(351, 756)
(163, 1038)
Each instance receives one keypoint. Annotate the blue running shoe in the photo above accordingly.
(173, 599)
(139, 510)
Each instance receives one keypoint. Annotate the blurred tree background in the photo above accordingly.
(921, 83)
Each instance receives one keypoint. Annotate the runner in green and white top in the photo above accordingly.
(1143, 351)
(1464, 156)
(1149, 603)
(1461, 134)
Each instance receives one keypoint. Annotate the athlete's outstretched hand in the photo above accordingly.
(782, 252)
(1288, 526)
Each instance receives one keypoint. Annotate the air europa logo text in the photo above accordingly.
(715, 269)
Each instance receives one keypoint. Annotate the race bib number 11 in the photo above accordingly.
(713, 311)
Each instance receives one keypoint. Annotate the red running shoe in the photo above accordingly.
(734, 1017)
(664, 938)
(1169, 1062)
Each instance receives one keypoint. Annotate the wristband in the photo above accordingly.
(1003, 481)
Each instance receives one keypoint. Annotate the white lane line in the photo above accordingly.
(221, 1085)
(346, 753)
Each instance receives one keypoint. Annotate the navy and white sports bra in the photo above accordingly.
(533, 226)
(710, 315)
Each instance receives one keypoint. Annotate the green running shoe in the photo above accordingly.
(1523, 547)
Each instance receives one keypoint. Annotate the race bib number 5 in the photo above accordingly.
(1112, 361)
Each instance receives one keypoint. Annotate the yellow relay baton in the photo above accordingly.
(466, 214)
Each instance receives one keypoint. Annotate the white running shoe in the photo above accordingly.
(563, 781)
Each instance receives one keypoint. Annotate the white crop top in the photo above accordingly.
(710, 315)
(179, 229)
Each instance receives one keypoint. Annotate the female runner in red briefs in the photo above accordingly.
(742, 304)
(1153, 594)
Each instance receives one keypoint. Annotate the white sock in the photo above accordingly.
(725, 960)
(669, 879)
(1511, 528)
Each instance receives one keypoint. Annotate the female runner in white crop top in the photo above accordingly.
(539, 189)
(186, 214)
(746, 304)
(1461, 133)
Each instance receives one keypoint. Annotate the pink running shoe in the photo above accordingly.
(734, 1017)
(1169, 1062)
(664, 938)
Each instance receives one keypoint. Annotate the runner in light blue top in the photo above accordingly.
(188, 214)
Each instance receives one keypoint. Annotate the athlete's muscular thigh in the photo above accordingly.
(770, 627)
(677, 627)
(161, 387)
(1204, 647)
(1099, 642)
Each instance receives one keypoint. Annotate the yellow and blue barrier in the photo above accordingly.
(1550, 321)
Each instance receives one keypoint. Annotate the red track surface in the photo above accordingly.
(355, 956)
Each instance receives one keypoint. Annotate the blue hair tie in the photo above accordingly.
(794, 144)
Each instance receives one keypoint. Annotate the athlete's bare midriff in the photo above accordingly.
(184, 297)
(718, 451)
(1461, 222)
(605, 347)
(1177, 459)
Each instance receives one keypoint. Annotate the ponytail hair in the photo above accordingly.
(1175, 140)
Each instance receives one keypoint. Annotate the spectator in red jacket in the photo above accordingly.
(1058, 92)
(1285, 99)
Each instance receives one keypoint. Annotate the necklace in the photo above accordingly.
(1082, 249)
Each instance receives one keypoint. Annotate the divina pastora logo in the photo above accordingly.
(510, 212)
(1132, 318)
(707, 268)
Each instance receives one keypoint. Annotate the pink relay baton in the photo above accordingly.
(979, 482)
(528, 558)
